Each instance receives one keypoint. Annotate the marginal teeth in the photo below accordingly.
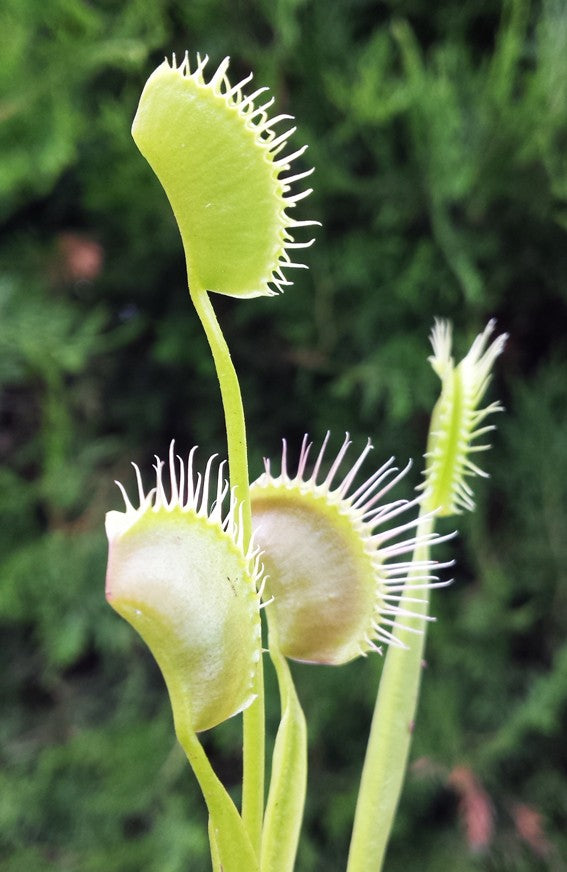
(233, 91)
(201, 64)
(304, 224)
(300, 244)
(279, 140)
(220, 73)
(261, 110)
(285, 161)
(295, 198)
(298, 177)
(272, 121)
(251, 97)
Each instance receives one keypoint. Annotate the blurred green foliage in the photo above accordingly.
(439, 135)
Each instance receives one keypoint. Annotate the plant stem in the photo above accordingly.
(391, 731)
(215, 856)
(253, 717)
(230, 846)
(286, 797)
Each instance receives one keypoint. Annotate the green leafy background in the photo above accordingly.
(439, 136)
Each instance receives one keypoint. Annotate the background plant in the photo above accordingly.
(438, 133)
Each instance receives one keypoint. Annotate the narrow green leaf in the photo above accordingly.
(286, 798)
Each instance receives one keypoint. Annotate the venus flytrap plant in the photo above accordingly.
(179, 574)
(456, 423)
(341, 570)
(220, 161)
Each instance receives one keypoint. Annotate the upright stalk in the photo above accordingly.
(456, 423)
(391, 731)
(253, 717)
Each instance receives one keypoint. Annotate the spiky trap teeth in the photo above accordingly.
(218, 154)
(177, 572)
(457, 421)
(336, 557)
